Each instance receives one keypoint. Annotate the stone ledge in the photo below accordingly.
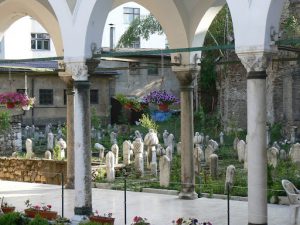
(160, 191)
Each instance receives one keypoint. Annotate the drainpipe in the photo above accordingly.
(111, 36)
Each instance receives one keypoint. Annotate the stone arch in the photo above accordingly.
(256, 19)
(11, 11)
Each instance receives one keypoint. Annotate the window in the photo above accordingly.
(40, 41)
(130, 14)
(152, 69)
(21, 91)
(46, 96)
(94, 99)
(134, 68)
(65, 96)
(135, 44)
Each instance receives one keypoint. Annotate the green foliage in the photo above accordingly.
(291, 26)
(142, 28)
(38, 220)
(13, 218)
(275, 130)
(4, 121)
(56, 152)
(89, 223)
(148, 123)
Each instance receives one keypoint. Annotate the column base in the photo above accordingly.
(257, 224)
(188, 195)
(83, 211)
(78, 219)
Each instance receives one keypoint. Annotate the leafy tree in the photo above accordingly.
(142, 28)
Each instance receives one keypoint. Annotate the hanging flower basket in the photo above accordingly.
(163, 107)
(161, 98)
(15, 99)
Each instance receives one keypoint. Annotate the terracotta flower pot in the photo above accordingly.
(49, 215)
(127, 106)
(103, 220)
(10, 105)
(8, 209)
(163, 107)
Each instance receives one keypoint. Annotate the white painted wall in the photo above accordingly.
(116, 17)
(17, 40)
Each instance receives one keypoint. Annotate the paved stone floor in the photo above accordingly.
(158, 208)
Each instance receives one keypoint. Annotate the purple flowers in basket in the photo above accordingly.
(161, 97)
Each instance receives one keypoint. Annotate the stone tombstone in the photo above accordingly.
(138, 149)
(272, 156)
(241, 146)
(29, 152)
(113, 138)
(48, 155)
(101, 150)
(230, 171)
(127, 146)
(164, 171)
(48, 129)
(221, 135)
(206, 139)
(160, 151)
(110, 166)
(276, 145)
(63, 145)
(214, 144)
(214, 166)
(246, 157)
(208, 151)
(26, 132)
(295, 153)
(137, 134)
(93, 133)
(14, 155)
(171, 144)
(50, 141)
(32, 131)
(293, 134)
(150, 140)
(153, 164)
(282, 154)
(169, 153)
(198, 156)
(197, 139)
(115, 150)
(165, 137)
(235, 142)
(178, 147)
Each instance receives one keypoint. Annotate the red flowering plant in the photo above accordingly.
(42, 207)
(12, 99)
(189, 221)
(137, 220)
(161, 97)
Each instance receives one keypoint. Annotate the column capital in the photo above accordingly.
(185, 76)
(255, 61)
(92, 65)
(77, 70)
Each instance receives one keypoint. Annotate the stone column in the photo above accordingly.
(70, 138)
(67, 78)
(82, 146)
(256, 64)
(186, 78)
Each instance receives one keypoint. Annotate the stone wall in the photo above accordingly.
(33, 170)
(11, 141)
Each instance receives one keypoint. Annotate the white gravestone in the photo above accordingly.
(214, 166)
(113, 138)
(197, 139)
(110, 166)
(241, 146)
(150, 140)
(127, 146)
(29, 152)
(165, 137)
(214, 144)
(115, 150)
(208, 151)
(230, 171)
(48, 155)
(63, 145)
(235, 142)
(101, 150)
(295, 153)
(138, 148)
(164, 171)
(198, 154)
(272, 156)
(282, 154)
(221, 135)
(153, 164)
(178, 147)
(170, 144)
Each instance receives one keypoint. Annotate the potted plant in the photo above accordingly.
(131, 103)
(189, 221)
(137, 220)
(5, 207)
(16, 99)
(161, 98)
(106, 219)
(44, 211)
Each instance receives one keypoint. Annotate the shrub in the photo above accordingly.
(14, 218)
(38, 220)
